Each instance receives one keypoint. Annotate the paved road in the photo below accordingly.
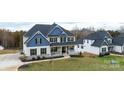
(9, 60)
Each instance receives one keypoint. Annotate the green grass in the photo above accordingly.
(78, 64)
(8, 51)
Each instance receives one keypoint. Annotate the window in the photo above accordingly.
(70, 39)
(53, 39)
(43, 51)
(103, 49)
(82, 47)
(63, 39)
(78, 46)
(109, 41)
(33, 52)
(38, 41)
(54, 49)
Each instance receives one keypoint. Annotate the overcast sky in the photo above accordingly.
(13, 26)
(106, 14)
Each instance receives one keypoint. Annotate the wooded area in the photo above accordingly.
(10, 39)
(79, 33)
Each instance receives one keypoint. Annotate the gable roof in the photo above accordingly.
(98, 35)
(99, 43)
(44, 29)
(38, 32)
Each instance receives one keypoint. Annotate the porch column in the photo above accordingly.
(61, 49)
(67, 50)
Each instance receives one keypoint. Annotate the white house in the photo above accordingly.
(48, 40)
(118, 44)
(95, 43)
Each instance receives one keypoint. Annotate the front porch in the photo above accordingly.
(62, 50)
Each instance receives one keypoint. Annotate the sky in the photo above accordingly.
(13, 26)
(23, 14)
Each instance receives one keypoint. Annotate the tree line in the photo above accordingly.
(79, 33)
(10, 39)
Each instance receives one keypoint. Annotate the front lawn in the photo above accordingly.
(78, 64)
(8, 51)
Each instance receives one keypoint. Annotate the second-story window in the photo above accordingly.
(70, 39)
(62, 39)
(38, 41)
(53, 39)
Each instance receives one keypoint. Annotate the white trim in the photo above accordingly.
(38, 32)
(57, 26)
(109, 34)
(105, 42)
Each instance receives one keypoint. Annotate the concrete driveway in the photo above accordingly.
(9, 61)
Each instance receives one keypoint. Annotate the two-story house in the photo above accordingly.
(48, 40)
(95, 43)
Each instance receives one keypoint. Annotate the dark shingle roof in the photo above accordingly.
(98, 35)
(44, 29)
(118, 41)
(99, 38)
(99, 43)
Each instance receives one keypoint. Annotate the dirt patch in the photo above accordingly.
(85, 54)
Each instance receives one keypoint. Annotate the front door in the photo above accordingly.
(63, 49)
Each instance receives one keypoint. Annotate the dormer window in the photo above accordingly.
(53, 39)
(38, 41)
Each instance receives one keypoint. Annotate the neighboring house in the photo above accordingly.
(95, 43)
(48, 40)
(1, 47)
(118, 44)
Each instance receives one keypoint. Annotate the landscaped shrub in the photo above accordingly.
(107, 53)
(33, 58)
(23, 58)
(103, 54)
(26, 59)
(38, 57)
(76, 56)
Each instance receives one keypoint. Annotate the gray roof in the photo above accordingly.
(99, 43)
(60, 44)
(44, 29)
(98, 35)
(119, 40)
